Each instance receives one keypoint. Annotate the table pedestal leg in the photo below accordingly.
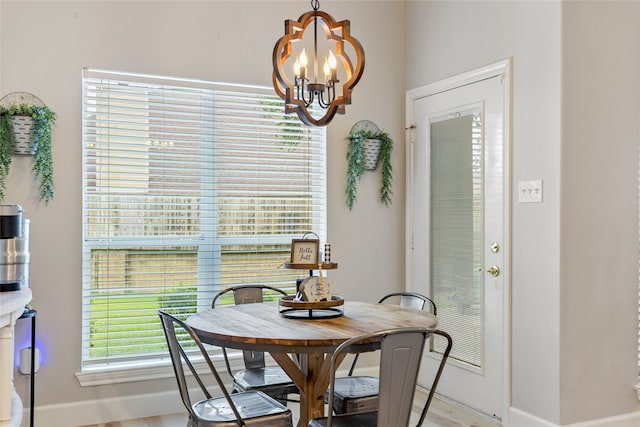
(312, 366)
(311, 375)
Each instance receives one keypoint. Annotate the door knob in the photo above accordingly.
(494, 271)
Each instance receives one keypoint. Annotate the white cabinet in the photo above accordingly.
(11, 308)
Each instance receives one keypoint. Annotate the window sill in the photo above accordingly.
(146, 370)
(122, 374)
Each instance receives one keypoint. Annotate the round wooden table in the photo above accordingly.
(302, 347)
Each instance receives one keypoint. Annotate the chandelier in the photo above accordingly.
(315, 82)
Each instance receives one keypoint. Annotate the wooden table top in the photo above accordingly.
(260, 327)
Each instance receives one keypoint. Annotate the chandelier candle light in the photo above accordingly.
(313, 97)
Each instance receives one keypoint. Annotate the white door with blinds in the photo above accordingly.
(458, 230)
(188, 187)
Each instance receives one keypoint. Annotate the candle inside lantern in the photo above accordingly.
(333, 65)
(327, 70)
(301, 65)
(296, 68)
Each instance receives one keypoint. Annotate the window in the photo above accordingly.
(188, 187)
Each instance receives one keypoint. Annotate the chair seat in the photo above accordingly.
(264, 379)
(367, 419)
(260, 377)
(250, 405)
(355, 394)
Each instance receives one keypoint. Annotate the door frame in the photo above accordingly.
(502, 69)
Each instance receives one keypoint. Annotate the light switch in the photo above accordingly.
(530, 191)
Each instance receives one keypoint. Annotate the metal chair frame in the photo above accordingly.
(252, 408)
(401, 352)
(367, 384)
(407, 299)
(254, 361)
(411, 299)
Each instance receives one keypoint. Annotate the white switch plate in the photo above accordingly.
(530, 191)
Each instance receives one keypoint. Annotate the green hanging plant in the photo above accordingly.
(356, 165)
(7, 142)
(40, 146)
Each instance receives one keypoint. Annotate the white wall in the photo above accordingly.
(599, 215)
(45, 45)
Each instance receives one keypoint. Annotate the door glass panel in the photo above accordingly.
(456, 218)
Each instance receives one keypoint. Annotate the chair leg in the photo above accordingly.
(282, 398)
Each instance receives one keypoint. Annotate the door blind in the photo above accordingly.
(457, 234)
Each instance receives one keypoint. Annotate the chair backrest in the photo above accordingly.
(403, 299)
(400, 357)
(247, 294)
(173, 327)
(416, 300)
(410, 299)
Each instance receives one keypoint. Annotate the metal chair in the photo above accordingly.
(272, 380)
(360, 393)
(400, 357)
(410, 299)
(252, 408)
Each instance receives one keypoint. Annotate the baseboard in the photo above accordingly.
(523, 419)
(625, 420)
(518, 418)
(88, 412)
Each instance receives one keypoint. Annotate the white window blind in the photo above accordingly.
(456, 232)
(188, 187)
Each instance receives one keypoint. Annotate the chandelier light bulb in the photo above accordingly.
(326, 69)
(333, 65)
(296, 68)
(332, 61)
(303, 58)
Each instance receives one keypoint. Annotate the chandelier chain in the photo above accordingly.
(315, 4)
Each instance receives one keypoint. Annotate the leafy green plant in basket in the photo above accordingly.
(40, 145)
(356, 164)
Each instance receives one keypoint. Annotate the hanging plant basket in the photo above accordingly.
(25, 128)
(23, 125)
(368, 145)
(371, 152)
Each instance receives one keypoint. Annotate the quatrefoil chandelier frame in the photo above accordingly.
(302, 89)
